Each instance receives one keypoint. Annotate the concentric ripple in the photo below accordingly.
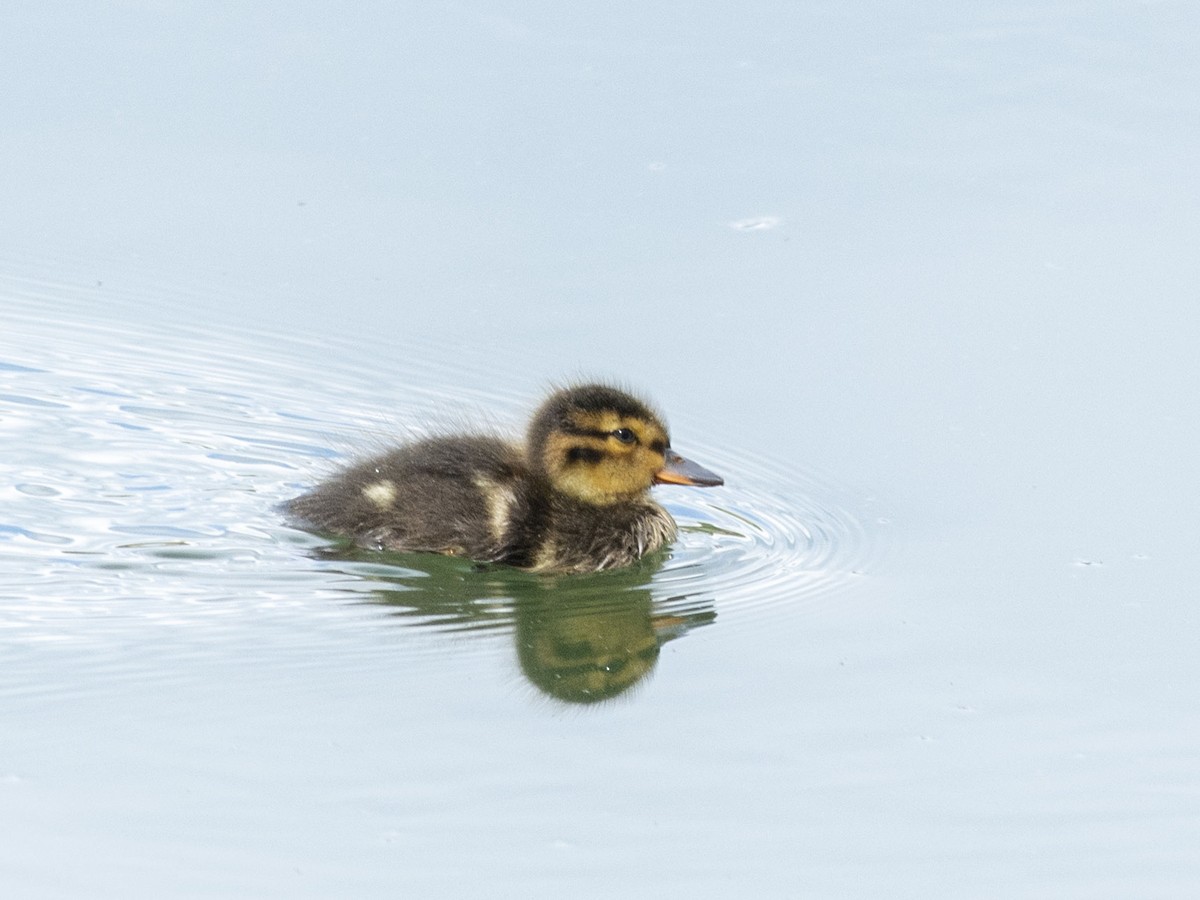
(146, 461)
(774, 539)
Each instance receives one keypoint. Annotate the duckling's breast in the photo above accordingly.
(580, 537)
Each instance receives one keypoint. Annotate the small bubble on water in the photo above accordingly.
(756, 223)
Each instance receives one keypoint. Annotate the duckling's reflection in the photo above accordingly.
(579, 638)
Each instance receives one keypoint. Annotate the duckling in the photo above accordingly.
(574, 498)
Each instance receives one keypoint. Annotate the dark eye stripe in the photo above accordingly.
(584, 454)
(658, 446)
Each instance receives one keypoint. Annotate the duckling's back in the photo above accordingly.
(456, 495)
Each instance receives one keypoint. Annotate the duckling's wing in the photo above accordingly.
(454, 495)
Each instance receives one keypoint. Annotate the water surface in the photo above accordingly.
(919, 284)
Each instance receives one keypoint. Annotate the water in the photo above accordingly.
(920, 286)
(155, 597)
(188, 454)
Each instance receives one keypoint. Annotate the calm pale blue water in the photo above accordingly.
(920, 284)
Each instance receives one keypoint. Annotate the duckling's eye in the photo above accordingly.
(624, 435)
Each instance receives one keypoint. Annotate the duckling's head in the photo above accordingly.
(602, 446)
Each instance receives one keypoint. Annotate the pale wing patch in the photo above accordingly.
(381, 493)
(499, 499)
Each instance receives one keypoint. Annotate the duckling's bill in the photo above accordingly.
(683, 471)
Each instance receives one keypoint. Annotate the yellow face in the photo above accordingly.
(604, 457)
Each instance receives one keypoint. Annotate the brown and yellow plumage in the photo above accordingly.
(575, 498)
